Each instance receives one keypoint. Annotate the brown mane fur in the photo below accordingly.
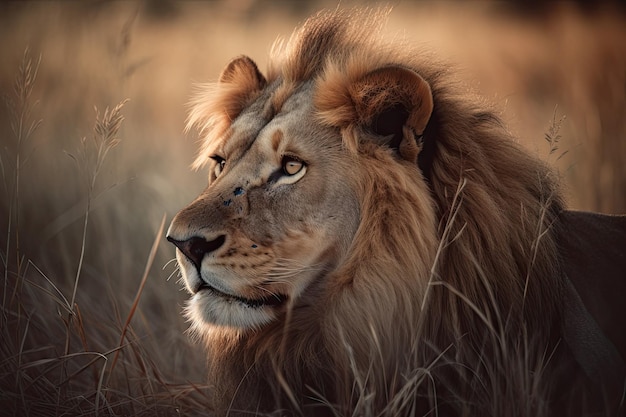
(487, 272)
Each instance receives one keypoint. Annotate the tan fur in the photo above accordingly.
(215, 106)
(442, 281)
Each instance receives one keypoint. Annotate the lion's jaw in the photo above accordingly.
(258, 237)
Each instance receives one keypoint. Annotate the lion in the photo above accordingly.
(372, 241)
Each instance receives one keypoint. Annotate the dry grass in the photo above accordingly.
(90, 322)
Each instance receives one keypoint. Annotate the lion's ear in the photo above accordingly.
(243, 80)
(396, 104)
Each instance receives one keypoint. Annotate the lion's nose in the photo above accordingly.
(196, 247)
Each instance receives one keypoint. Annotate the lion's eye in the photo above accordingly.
(292, 166)
(219, 167)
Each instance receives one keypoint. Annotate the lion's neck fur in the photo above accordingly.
(502, 212)
(470, 283)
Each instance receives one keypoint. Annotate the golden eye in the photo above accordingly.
(292, 166)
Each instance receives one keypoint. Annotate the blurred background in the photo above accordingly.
(556, 69)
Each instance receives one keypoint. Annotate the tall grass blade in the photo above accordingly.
(133, 308)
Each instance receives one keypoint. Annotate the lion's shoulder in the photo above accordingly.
(592, 249)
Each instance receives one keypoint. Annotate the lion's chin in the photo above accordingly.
(211, 306)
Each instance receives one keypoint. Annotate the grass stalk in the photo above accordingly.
(445, 241)
(23, 90)
(105, 138)
(23, 127)
(144, 278)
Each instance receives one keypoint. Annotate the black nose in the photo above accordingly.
(196, 247)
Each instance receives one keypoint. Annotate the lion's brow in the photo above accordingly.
(236, 146)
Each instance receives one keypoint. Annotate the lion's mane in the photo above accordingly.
(479, 283)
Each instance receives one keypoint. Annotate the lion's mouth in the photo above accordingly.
(274, 300)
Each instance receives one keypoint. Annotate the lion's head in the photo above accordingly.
(363, 220)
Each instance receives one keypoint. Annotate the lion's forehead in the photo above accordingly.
(263, 129)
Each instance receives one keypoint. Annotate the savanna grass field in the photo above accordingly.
(94, 163)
